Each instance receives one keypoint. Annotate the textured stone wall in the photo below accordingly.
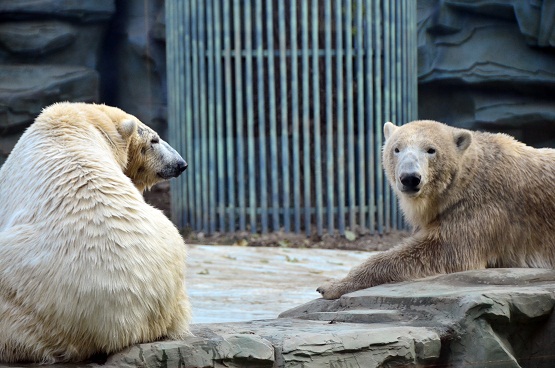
(489, 65)
(49, 51)
(109, 51)
(133, 68)
(483, 64)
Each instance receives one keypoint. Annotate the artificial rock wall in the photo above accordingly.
(489, 65)
(109, 51)
(483, 64)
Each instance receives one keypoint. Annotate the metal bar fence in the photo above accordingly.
(279, 108)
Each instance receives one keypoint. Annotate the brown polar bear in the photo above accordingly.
(476, 200)
(86, 266)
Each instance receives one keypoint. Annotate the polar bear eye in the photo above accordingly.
(431, 151)
(396, 150)
(155, 140)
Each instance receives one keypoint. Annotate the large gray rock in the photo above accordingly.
(287, 343)
(50, 53)
(488, 318)
(488, 64)
(142, 81)
(82, 10)
(138, 84)
(37, 38)
(26, 90)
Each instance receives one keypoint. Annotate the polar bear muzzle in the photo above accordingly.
(172, 163)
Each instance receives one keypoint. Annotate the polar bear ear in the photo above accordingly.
(127, 128)
(463, 139)
(388, 129)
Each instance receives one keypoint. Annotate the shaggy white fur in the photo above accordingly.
(86, 266)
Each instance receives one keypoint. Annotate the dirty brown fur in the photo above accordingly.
(484, 200)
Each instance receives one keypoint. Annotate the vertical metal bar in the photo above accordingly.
(202, 139)
(295, 117)
(249, 83)
(185, 118)
(378, 123)
(272, 115)
(410, 62)
(240, 152)
(173, 99)
(329, 119)
(414, 63)
(400, 75)
(351, 180)
(306, 117)
(183, 85)
(394, 91)
(340, 131)
(172, 51)
(220, 138)
(387, 102)
(371, 107)
(261, 116)
(230, 168)
(316, 118)
(401, 83)
(211, 187)
(403, 60)
(400, 79)
(283, 112)
(362, 168)
(196, 118)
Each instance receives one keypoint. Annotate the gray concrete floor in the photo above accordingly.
(231, 283)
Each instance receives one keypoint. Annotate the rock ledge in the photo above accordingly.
(488, 318)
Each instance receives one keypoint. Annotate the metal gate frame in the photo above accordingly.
(278, 107)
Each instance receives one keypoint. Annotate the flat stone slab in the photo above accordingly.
(286, 343)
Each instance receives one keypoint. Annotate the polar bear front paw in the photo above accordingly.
(334, 289)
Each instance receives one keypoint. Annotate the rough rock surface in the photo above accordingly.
(287, 343)
(134, 62)
(121, 43)
(49, 52)
(37, 38)
(82, 10)
(488, 318)
(25, 90)
(488, 64)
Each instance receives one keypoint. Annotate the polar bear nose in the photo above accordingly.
(182, 166)
(410, 180)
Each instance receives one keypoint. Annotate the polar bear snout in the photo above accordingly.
(410, 172)
(173, 170)
(172, 162)
(182, 166)
(410, 181)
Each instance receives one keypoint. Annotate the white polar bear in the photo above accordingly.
(86, 266)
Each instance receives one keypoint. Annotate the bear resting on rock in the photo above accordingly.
(475, 200)
(86, 266)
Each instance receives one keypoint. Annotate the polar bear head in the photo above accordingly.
(148, 158)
